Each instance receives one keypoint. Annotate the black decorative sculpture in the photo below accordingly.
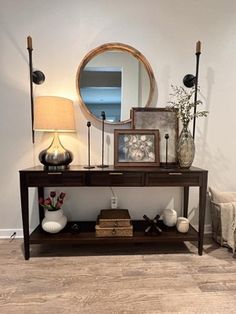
(36, 77)
(190, 80)
(153, 225)
(89, 166)
(103, 116)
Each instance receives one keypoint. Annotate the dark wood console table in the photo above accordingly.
(126, 177)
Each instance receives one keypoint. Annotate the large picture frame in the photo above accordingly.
(136, 148)
(166, 121)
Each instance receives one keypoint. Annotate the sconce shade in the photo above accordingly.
(53, 114)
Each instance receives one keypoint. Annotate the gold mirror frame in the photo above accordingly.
(114, 47)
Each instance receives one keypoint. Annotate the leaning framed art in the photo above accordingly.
(136, 148)
(166, 121)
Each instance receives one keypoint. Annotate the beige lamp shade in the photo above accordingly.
(53, 114)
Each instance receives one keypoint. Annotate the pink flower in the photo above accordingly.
(51, 203)
(58, 204)
(41, 201)
(48, 201)
(62, 195)
(52, 194)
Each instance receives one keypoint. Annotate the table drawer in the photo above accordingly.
(116, 178)
(56, 179)
(172, 179)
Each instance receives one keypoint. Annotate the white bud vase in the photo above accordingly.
(54, 221)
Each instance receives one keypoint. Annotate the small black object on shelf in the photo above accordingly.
(103, 116)
(152, 225)
(75, 228)
(89, 165)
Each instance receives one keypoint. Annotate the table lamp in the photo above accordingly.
(54, 114)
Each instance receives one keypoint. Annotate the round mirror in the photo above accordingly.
(114, 78)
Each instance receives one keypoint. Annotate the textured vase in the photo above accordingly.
(185, 148)
(54, 221)
(169, 217)
(182, 224)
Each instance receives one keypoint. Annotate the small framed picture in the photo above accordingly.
(166, 121)
(136, 148)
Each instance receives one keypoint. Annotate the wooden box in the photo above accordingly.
(110, 218)
(114, 231)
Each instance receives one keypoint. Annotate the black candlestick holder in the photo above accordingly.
(89, 165)
(103, 115)
(167, 138)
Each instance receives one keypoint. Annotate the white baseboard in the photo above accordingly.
(7, 233)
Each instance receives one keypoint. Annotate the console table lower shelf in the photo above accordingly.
(86, 235)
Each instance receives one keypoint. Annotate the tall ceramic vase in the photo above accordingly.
(185, 148)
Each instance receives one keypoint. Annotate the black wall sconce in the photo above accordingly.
(37, 77)
(190, 80)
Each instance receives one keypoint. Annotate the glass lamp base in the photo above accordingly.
(56, 168)
(56, 157)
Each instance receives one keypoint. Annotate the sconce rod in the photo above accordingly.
(30, 49)
(198, 52)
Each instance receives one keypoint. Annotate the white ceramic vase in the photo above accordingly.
(169, 217)
(54, 221)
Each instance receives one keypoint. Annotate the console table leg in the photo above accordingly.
(25, 214)
(202, 209)
(41, 210)
(186, 199)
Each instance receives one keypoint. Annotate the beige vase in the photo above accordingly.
(185, 148)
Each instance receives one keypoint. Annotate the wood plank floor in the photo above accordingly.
(140, 279)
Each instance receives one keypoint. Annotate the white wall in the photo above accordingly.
(166, 33)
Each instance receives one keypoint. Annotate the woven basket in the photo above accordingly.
(215, 209)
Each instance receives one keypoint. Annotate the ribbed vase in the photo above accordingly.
(54, 221)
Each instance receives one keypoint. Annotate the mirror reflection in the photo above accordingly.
(114, 78)
(114, 82)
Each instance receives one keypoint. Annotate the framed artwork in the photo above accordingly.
(136, 148)
(166, 121)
